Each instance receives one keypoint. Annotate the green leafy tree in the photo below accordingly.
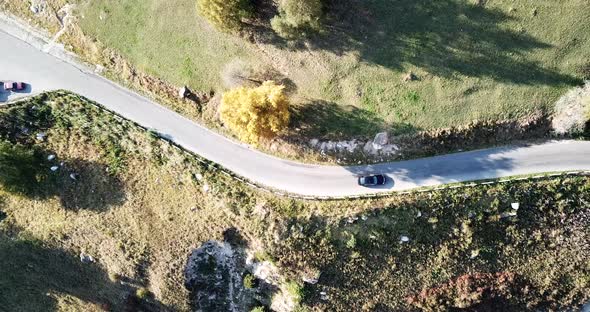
(226, 15)
(297, 18)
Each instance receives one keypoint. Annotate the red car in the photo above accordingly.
(14, 86)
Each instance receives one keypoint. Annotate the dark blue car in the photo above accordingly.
(372, 180)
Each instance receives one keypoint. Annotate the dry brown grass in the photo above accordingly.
(145, 236)
(161, 213)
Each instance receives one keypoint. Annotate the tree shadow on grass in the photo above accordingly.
(93, 188)
(31, 274)
(327, 120)
(79, 184)
(444, 37)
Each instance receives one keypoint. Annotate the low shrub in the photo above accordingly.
(248, 281)
(142, 293)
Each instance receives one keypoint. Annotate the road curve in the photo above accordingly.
(24, 62)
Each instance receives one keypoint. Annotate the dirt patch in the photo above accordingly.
(474, 292)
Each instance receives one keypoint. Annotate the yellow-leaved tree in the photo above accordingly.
(256, 113)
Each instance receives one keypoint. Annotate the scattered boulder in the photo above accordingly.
(311, 277)
(51, 157)
(390, 149)
(198, 176)
(410, 77)
(314, 142)
(196, 97)
(330, 146)
(99, 69)
(404, 239)
(54, 168)
(352, 220)
(183, 92)
(38, 6)
(369, 149)
(515, 206)
(507, 214)
(380, 140)
(85, 258)
(352, 147)
(41, 136)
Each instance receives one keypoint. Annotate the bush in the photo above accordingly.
(256, 113)
(257, 309)
(248, 281)
(297, 17)
(295, 291)
(142, 293)
(226, 15)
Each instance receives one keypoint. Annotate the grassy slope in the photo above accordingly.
(135, 206)
(143, 216)
(473, 63)
(164, 39)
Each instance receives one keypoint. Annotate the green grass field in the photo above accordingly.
(503, 60)
(164, 39)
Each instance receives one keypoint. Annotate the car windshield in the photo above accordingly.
(368, 180)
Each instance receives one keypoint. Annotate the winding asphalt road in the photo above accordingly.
(22, 61)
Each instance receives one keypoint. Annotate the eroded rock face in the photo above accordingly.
(571, 111)
(343, 150)
(215, 272)
(213, 277)
(381, 139)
